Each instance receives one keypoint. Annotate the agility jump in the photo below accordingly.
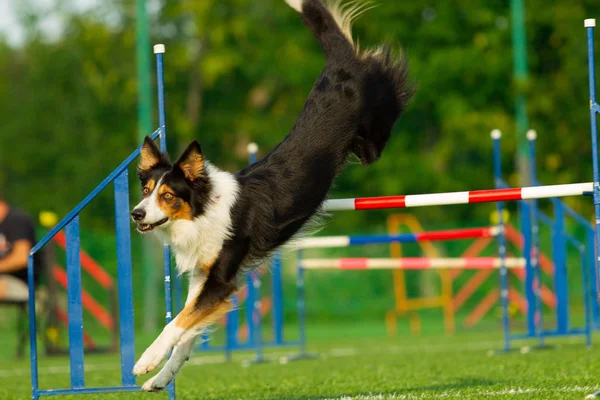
(453, 198)
(121, 188)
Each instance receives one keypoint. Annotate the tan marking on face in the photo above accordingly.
(173, 207)
(148, 158)
(146, 190)
(191, 317)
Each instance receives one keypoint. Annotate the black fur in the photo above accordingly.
(351, 109)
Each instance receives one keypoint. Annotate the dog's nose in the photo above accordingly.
(138, 214)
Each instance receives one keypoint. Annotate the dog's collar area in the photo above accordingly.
(150, 227)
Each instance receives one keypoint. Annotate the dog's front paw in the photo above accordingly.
(151, 359)
(155, 384)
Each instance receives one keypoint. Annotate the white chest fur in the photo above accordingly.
(197, 243)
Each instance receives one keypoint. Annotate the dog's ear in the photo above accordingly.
(149, 156)
(191, 162)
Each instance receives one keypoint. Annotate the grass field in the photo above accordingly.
(355, 363)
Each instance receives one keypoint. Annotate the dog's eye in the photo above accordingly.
(146, 191)
(167, 196)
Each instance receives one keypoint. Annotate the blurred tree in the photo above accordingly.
(239, 71)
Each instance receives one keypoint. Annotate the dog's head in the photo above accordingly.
(170, 192)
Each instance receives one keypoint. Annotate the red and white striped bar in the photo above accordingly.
(416, 263)
(477, 196)
(430, 236)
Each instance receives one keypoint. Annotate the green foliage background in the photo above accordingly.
(239, 71)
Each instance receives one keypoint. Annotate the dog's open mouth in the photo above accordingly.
(150, 227)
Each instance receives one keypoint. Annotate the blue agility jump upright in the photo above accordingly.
(119, 178)
(590, 24)
(532, 218)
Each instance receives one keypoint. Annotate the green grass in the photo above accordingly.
(357, 362)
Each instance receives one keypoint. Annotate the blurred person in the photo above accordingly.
(17, 237)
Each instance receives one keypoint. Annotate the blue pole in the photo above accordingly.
(560, 270)
(255, 306)
(529, 271)
(535, 242)
(594, 110)
(252, 153)
(75, 308)
(590, 249)
(257, 320)
(587, 298)
(252, 298)
(277, 299)
(124, 282)
(178, 293)
(159, 50)
(32, 327)
(231, 330)
(496, 135)
(301, 305)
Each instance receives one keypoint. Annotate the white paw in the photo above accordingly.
(151, 359)
(156, 383)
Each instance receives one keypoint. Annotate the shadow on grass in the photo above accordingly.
(459, 384)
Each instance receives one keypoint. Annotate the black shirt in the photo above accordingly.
(16, 226)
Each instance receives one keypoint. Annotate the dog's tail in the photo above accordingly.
(385, 90)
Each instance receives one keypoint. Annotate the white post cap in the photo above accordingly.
(531, 135)
(252, 148)
(159, 48)
(589, 23)
(496, 134)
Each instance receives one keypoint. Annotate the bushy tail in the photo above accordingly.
(383, 77)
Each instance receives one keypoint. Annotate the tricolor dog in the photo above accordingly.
(220, 224)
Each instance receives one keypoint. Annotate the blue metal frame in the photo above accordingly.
(530, 218)
(277, 293)
(587, 272)
(303, 354)
(594, 111)
(162, 123)
(124, 265)
(560, 237)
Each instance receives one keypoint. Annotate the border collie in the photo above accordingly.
(219, 224)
